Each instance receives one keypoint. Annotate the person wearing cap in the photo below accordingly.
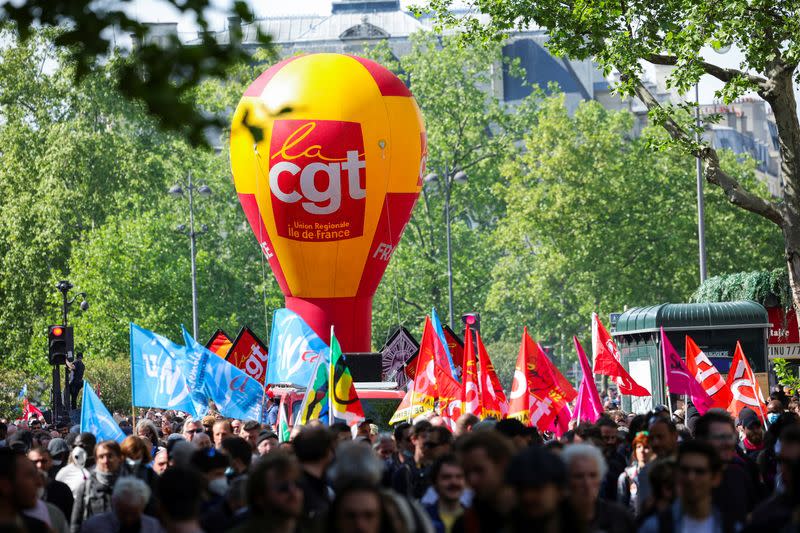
(161, 461)
(751, 434)
(267, 442)
(249, 431)
(59, 451)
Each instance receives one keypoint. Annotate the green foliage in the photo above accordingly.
(760, 285)
(596, 221)
(467, 130)
(112, 379)
(160, 73)
(12, 380)
(787, 375)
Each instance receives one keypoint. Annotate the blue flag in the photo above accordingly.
(437, 327)
(294, 350)
(96, 419)
(23, 392)
(235, 394)
(156, 378)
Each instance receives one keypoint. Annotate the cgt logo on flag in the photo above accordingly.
(318, 168)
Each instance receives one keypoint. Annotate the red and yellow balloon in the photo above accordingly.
(329, 186)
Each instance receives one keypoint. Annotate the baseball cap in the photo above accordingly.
(264, 435)
(747, 418)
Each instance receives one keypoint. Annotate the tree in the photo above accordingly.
(621, 36)
(468, 129)
(596, 221)
(160, 73)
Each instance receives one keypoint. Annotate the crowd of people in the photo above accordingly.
(653, 473)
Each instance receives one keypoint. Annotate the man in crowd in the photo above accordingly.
(55, 492)
(274, 496)
(267, 441)
(776, 512)
(94, 496)
(663, 438)
(76, 370)
(615, 461)
(128, 500)
(221, 430)
(447, 476)
(240, 454)
(191, 428)
(751, 431)
(313, 447)
(699, 471)
(19, 482)
(180, 492)
(737, 492)
(160, 461)
(249, 432)
(485, 456)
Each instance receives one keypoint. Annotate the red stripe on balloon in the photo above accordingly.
(250, 208)
(395, 213)
(388, 83)
(257, 87)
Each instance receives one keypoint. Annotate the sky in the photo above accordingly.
(160, 11)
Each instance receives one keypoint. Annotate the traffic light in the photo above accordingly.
(472, 321)
(60, 344)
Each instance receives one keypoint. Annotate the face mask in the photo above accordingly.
(219, 486)
(133, 463)
(773, 417)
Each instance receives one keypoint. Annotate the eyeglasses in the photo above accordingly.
(193, 431)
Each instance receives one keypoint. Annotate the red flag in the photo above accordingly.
(493, 397)
(455, 346)
(607, 361)
(744, 387)
(680, 380)
(535, 396)
(29, 410)
(449, 396)
(249, 354)
(707, 375)
(219, 343)
(431, 356)
(470, 391)
(564, 386)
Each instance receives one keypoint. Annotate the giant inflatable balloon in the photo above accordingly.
(328, 153)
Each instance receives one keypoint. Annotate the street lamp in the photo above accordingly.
(177, 191)
(449, 178)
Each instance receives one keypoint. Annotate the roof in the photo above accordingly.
(718, 315)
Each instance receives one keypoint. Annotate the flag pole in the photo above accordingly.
(331, 376)
(666, 371)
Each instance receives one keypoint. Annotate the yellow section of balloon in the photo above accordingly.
(315, 94)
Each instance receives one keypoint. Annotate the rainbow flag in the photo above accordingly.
(316, 400)
(344, 403)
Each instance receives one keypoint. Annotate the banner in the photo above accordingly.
(679, 380)
(235, 394)
(249, 354)
(96, 419)
(344, 402)
(219, 343)
(295, 350)
(156, 377)
(406, 412)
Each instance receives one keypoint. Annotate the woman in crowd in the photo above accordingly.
(628, 483)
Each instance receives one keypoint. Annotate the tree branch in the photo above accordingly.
(721, 73)
(736, 194)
